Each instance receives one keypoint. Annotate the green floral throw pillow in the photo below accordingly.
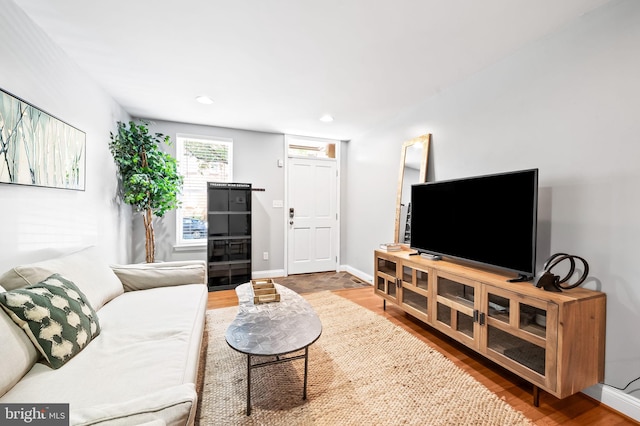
(55, 315)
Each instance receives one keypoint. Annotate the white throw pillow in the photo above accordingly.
(16, 352)
(86, 268)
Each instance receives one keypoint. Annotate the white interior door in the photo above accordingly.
(312, 215)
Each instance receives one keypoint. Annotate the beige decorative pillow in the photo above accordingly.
(86, 268)
(145, 276)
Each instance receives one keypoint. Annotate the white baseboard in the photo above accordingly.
(616, 399)
(357, 273)
(274, 273)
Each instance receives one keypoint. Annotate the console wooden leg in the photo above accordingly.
(536, 396)
(384, 304)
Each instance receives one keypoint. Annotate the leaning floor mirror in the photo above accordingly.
(413, 169)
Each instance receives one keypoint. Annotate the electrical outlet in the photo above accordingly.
(265, 255)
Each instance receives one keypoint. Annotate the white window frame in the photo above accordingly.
(180, 138)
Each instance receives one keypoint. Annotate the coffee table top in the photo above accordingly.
(275, 328)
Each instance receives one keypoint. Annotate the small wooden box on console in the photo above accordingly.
(555, 341)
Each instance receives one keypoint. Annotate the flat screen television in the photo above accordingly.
(489, 220)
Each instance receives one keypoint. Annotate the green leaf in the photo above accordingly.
(154, 185)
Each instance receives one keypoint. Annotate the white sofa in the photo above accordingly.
(142, 366)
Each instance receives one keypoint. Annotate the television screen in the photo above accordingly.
(489, 220)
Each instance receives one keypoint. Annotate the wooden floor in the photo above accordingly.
(576, 410)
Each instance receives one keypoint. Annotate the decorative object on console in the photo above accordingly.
(150, 179)
(413, 169)
(391, 247)
(37, 148)
(551, 282)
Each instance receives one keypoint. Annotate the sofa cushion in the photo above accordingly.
(151, 275)
(55, 315)
(86, 268)
(171, 405)
(16, 352)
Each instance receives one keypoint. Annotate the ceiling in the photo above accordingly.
(279, 65)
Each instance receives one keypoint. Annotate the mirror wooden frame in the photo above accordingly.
(425, 141)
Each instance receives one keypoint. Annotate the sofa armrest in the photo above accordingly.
(150, 275)
(175, 405)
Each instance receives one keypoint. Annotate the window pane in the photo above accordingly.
(305, 147)
(201, 160)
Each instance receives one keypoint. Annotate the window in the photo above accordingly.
(201, 159)
(307, 147)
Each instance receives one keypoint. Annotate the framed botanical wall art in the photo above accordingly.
(37, 148)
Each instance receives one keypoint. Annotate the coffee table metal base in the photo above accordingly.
(278, 360)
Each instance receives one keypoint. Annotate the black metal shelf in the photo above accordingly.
(229, 239)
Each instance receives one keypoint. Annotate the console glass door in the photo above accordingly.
(456, 307)
(517, 334)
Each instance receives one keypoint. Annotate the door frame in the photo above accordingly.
(288, 140)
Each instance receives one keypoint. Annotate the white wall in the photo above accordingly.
(255, 157)
(34, 222)
(568, 104)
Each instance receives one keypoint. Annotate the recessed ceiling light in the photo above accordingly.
(204, 100)
(326, 118)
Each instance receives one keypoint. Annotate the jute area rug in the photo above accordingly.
(363, 370)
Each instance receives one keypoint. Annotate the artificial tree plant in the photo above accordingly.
(150, 179)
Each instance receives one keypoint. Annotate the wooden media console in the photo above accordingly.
(553, 340)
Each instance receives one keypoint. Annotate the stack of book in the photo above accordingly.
(391, 247)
